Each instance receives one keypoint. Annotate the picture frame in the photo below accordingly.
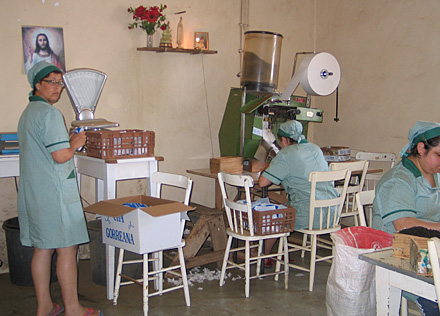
(201, 40)
(43, 43)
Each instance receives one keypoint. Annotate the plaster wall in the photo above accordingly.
(179, 96)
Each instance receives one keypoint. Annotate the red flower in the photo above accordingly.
(148, 18)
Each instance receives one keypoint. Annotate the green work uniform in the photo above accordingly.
(49, 207)
(291, 167)
(404, 192)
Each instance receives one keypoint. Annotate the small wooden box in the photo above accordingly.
(402, 244)
(253, 165)
(419, 257)
(227, 164)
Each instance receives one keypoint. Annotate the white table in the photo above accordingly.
(394, 275)
(9, 166)
(106, 173)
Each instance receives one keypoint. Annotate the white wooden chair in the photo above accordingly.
(160, 179)
(385, 160)
(329, 221)
(236, 214)
(350, 207)
(365, 199)
(434, 252)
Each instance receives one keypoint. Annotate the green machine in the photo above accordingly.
(254, 112)
(261, 111)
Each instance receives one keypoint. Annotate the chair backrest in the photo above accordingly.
(434, 251)
(380, 157)
(383, 161)
(239, 214)
(364, 198)
(328, 210)
(353, 166)
(161, 179)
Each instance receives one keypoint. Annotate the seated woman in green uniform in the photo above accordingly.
(291, 168)
(49, 207)
(408, 195)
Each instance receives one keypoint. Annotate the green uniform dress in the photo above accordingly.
(404, 192)
(291, 167)
(49, 207)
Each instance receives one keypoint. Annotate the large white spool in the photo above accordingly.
(319, 74)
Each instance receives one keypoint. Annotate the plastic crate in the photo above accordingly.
(271, 222)
(120, 144)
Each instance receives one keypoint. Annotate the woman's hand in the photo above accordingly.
(76, 141)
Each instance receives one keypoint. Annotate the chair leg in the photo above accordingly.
(312, 261)
(286, 262)
(304, 244)
(157, 266)
(145, 284)
(225, 261)
(184, 276)
(260, 251)
(118, 276)
(404, 307)
(247, 269)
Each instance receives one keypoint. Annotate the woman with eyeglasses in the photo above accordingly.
(408, 195)
(49, 208)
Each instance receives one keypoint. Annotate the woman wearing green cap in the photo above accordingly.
(408, 195)
(49, 207)
(291, 168)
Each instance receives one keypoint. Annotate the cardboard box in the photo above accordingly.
(419, 257)
(227, 164)
(402, 244)
(140, 230)
(331, 158)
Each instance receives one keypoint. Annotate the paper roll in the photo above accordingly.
(319, 74)
(322, 75)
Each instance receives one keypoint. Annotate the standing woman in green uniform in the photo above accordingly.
(49, 207)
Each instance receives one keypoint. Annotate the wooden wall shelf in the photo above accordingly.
(176, 50)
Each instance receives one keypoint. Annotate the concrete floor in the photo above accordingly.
(267, 297)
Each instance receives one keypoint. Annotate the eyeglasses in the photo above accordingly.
(54, 83)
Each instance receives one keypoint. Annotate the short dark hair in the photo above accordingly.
(428, 144)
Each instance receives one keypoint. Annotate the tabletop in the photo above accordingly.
(384, 258)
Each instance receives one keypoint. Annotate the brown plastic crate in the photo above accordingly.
(120, 144)
(271, 222)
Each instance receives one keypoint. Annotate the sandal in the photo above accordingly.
(58, 309)
(90, 311)
(269, 262)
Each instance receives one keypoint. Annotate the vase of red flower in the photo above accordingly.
(148, 19)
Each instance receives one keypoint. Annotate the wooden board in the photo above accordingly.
(419, 257)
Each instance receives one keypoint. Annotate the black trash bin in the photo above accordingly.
(97, 256)
(20, 257)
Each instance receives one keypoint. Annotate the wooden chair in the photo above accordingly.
(386, 160)
(328, 221)
(365, 198)
(356, 185)
(243, 230)
(156, 258)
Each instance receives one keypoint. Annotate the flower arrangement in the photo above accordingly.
(148, 18)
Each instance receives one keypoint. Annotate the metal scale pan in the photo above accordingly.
(84, 87)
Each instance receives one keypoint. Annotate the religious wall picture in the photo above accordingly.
(201, 40)
(43, 43)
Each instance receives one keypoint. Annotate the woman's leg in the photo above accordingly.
(41, 267)
(67, 273)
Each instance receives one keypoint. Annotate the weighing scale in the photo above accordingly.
(84, 87)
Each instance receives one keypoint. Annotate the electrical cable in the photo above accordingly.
(207, 106)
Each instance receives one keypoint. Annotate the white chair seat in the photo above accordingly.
(235, 213)
(329, 222)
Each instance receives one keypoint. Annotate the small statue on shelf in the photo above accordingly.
(180, 34)
(165, 41)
